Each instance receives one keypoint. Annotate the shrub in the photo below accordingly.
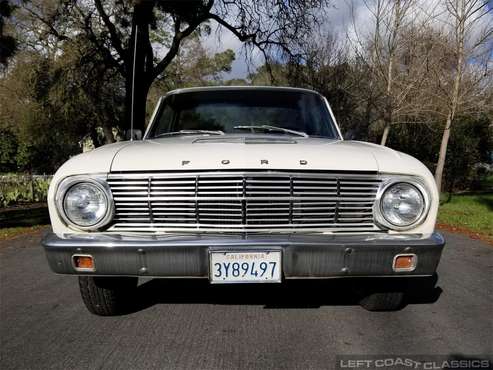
(16, 189)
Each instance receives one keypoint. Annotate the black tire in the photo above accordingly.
(383, 301)
(108, 296)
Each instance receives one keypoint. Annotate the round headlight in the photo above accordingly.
(85, 204)
(402, 204)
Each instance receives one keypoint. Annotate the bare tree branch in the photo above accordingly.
(114, 37)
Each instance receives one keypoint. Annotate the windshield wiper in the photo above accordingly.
(190, 132)
(271, 128)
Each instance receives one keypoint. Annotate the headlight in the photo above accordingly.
(401, 205)
(84, 203)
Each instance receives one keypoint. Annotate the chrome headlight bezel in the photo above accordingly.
(97, 181)
(378, 213)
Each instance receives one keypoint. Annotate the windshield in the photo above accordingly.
(276, 112)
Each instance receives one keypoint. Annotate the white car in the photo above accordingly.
(243, 185)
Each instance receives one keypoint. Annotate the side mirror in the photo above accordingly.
(133, 135)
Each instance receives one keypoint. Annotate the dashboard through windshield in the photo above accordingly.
(279, 112)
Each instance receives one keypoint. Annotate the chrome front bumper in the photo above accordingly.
(304, 256)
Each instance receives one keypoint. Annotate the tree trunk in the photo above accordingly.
(443, 153)
(460, 36)
(138, 66)
(389, 109)
(385, 135)
(108, 134)
(94, 137)
(135, 107)
(389, 103)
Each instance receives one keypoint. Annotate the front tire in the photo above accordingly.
(108, 296)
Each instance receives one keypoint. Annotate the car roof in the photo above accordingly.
(232, 88)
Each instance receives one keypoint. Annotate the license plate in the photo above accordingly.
(245, 267)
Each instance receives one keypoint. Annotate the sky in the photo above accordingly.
(339, 19)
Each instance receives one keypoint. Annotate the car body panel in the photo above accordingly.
(246, 152)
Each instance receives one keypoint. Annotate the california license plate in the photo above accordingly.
(245, 267)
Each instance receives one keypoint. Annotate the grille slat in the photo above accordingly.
(242, 201)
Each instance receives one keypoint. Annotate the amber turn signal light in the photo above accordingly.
(83, 262)
(405, 262)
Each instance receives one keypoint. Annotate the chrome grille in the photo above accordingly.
(243, 201)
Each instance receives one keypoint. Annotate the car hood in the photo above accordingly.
(241, 152)
(257, 152)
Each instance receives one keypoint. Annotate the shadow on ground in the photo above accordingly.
(293, 294)
(29, 215)
(486, 200)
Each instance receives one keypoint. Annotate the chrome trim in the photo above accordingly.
(229, 173)
(96, 180)
(408, 269)
(304, 256)
(276, 200)
(333, 117)
(233, 88)
(109, 240)
(153, 118)
(389, 181)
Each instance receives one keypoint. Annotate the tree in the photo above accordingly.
(49, 105)
(8, 44)
(41, 120)
(192, 66)
(118, 27)
(471, 66)
(391, 50)
(275, 74)
(325, 68)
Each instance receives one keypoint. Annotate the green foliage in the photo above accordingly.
(16, 189)
(48, 104)
(193, 66)
(196, 66)
(470, 144)
(42, 127)
(8, 150)
(274, 74)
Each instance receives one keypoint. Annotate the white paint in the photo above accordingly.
(229, 152)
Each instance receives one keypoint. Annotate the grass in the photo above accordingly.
(12, 232)
(470, 212)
